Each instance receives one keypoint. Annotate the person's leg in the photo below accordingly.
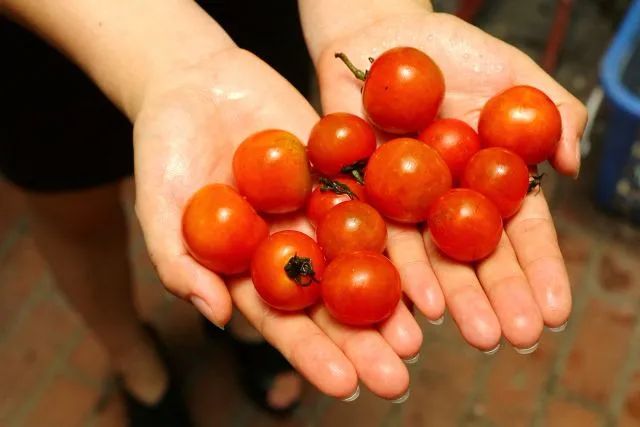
(286, 387)
(83, 237)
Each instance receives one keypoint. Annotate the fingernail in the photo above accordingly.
(578, 161)
(437, 322)
(402, 398)
(527, 350)
(204, 308)
(354, 396)
(493, 350)
(559, 328)
(412, 360)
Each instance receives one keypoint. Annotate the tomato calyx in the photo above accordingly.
(360, 75)
(535, 183)
(356, 170)
(300, 268)
(336, 187)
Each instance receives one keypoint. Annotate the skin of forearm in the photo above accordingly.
(123, 44)
(327, 20)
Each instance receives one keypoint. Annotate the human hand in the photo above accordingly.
(523, 284)
(185, 135)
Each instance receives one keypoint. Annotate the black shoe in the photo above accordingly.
(257, 365)
(170, 411)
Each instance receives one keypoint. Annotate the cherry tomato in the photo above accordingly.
(349, 227)
(524, 120)
(340, 140)
(454, 140)
(402, 91)
(361, 288)
(221, 230)
(272, 171)
(331, 193)
(286, 270)
(501, 176)
(404, 177)
(465, 225)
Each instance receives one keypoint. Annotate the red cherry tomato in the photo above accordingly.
(340, 140)
(286, 270)
(272, 171)
(501, 176)
(454, 140)
(221, 230)
(361, 288)
(524, 120)
(404, 177)
(465, 225)
(402, 91)
(349, 227)
(331, 193)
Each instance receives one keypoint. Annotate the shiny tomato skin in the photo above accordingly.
(524, 120)
(501, 176)
(270, 278)
(350, 227)
(403, 91)
(404, 177)
(454, 140)
(361, 288)
(221, 230)
(272, 171)
(465, 225)
(321, 201)
(339, 140)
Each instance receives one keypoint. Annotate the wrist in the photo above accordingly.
(326, 21)
(176, 35)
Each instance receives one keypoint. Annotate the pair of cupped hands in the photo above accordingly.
(185, 136)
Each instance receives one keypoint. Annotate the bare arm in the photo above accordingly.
(122, 44)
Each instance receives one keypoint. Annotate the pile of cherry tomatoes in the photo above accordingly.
(440, 173)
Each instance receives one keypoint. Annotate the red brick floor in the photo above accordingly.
(53, 372)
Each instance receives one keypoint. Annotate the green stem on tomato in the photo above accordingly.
(336, 187)
(535, 181)
(356, 170)
(360, 75)
(298, 268)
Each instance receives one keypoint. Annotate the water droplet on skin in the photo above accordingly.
(476, 68)
(465, 56)
(430, 37)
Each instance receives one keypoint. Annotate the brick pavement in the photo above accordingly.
(54, 373)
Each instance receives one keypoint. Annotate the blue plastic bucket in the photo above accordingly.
(620, 77)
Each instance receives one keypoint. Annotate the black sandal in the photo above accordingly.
(171, 410)
(257, 365)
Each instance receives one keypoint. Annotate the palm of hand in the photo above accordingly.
(185, 138)
(524, 284)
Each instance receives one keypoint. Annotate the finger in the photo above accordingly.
(566, 159)
(465, 299)
(377, 365)
(510, 295)
(402, 333)
(534, 240)
(406, 249)
(178, 271)
(302, 343)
